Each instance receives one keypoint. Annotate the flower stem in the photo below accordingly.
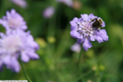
(79, 63)
(79, 60)
(25, 72)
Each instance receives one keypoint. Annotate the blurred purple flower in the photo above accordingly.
(83, 29)
(13, 21)
(21, 3)
(76, 47)
(48, 12)
(14, 44)
(67, 2)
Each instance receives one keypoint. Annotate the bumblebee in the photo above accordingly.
(97, 22)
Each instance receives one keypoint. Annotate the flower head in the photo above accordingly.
(87, 28)
(14, 44)
(21, 3)
(13, 21)
(48, 12)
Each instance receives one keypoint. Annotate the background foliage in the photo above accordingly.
(57, 63)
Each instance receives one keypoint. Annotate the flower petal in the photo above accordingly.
(32, 55)
(101, 36)
(24, 27)
(75, 34)
(1, 66)
(6, 60)
(92, 38)
(85, 17)
(74, 23)
(13, 11)
(91, 16)
(31, 42)
(99, 39)
(8, 15)
(79, 41)
(15, 64)
(86, 44)
(4, 24)
(24, 57)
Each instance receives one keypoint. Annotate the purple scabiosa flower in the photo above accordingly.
(17, 44)
(48, 12)
(67, 2)
(13, 21)
(88, 28)
(76, 47)
(21, 3)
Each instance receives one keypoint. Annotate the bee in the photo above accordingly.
(97, 22)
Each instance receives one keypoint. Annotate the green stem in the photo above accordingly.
(79, 63)
(79, 60)
(25, 72)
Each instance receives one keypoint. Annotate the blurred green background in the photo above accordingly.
(57, 63)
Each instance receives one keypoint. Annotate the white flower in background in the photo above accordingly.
(48, 12)
(67, 2)
(76, 47)
(21, 3)
(14, 44)
(13, 21)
